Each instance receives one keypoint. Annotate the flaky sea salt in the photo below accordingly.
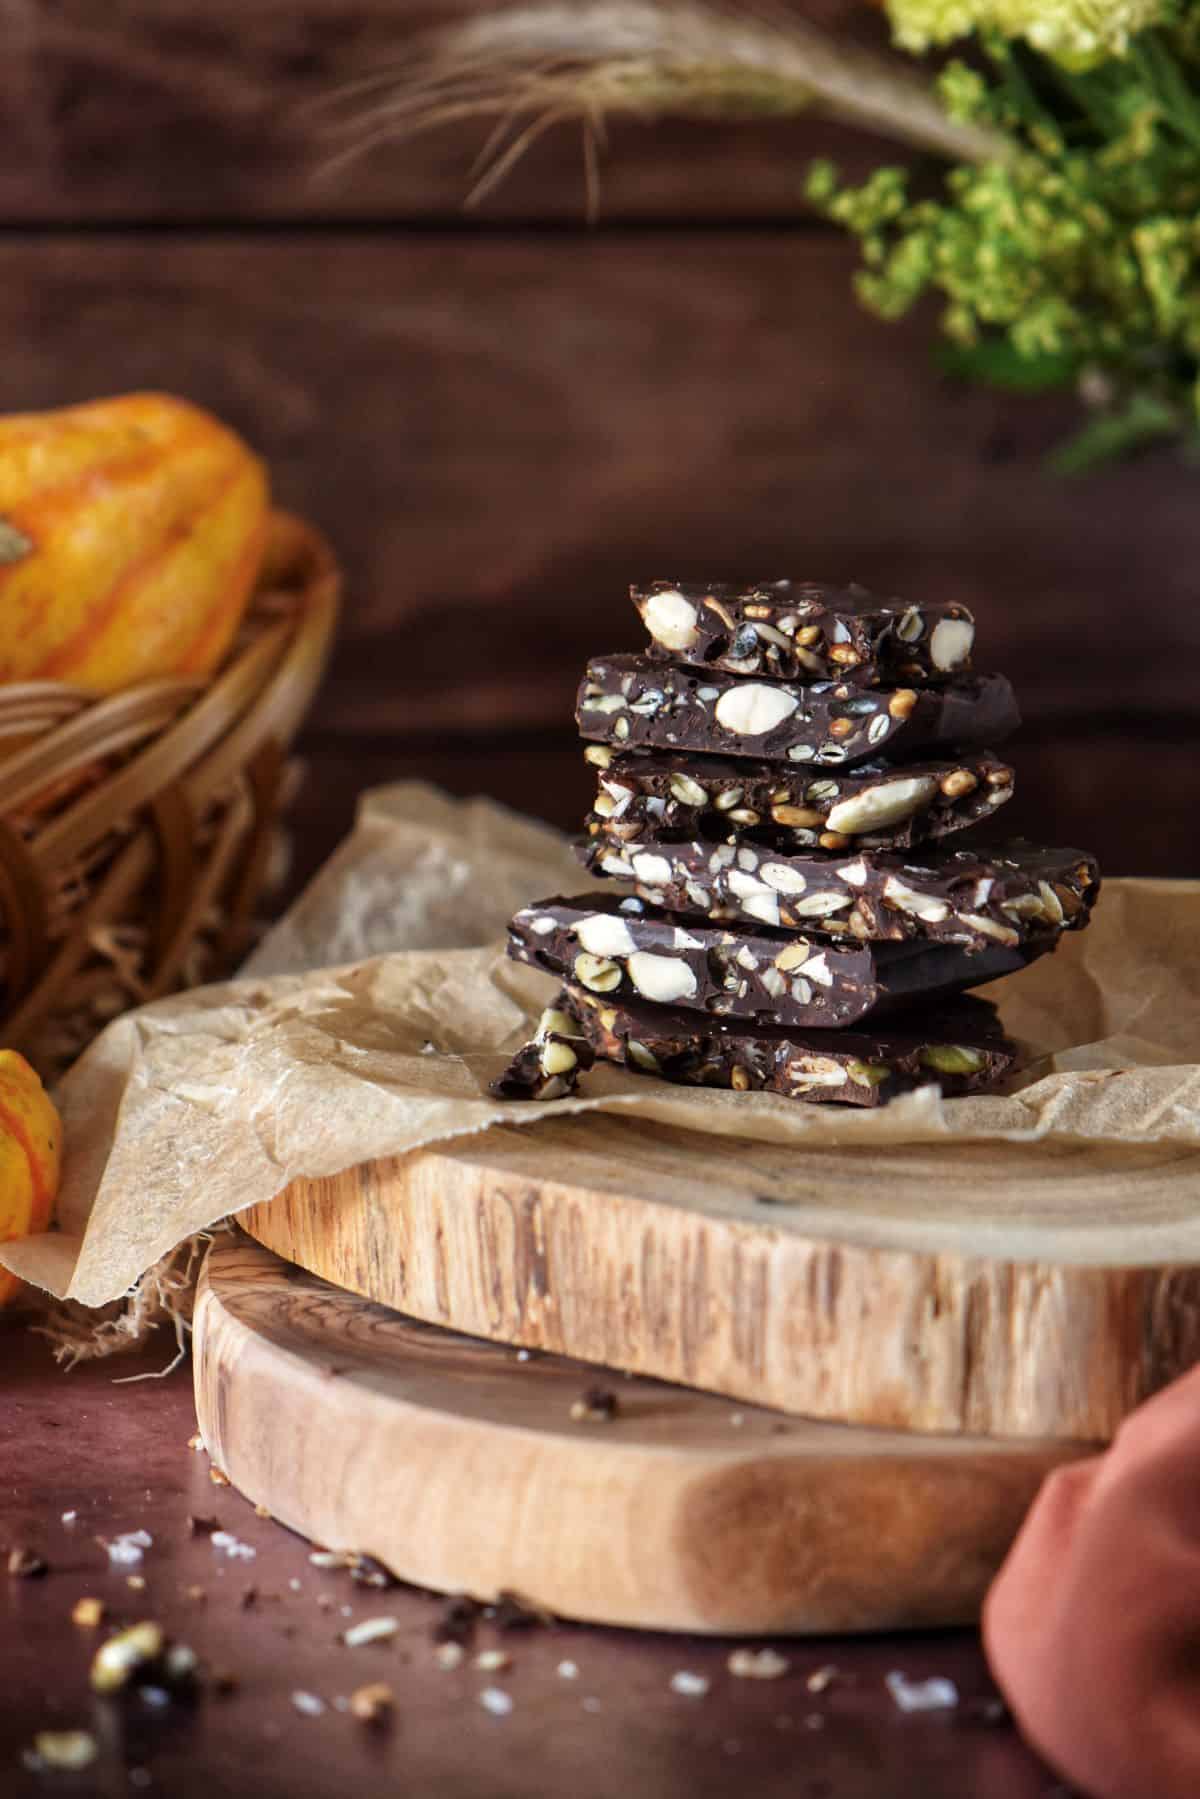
(235, 1550)
(496, 1701)
(308, 1704)
(692, 1686)
(936, 1694)
(126, 1550)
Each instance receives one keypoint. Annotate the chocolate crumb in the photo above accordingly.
(249, 1598)
(365, 1571)
(202, 1527)
(512, 1612)
(458, 1620)
(599, 1405)
(26, 1564)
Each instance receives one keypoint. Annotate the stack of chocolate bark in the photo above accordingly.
(776, 777)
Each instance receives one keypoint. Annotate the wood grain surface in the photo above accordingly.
(1028, 1290)
(462, 1469)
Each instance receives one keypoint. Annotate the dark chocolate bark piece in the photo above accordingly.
(610, 945)
(550, 1064)
(1006, 895)
(633, 700)
(877, 805)
(805, 631)
(960, 1049)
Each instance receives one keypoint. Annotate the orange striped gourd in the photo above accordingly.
(131, 533)
(30, 1152)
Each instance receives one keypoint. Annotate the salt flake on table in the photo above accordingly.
(235, 1550)
(933, 1695)
(126, 1550)
(308, 1704)
(496, 1701)
(692, 1686)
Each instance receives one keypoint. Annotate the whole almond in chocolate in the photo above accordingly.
(805, 631)
(745, 971)
(878, 804)
(629, 701)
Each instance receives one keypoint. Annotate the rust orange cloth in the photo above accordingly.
(1092, 1626)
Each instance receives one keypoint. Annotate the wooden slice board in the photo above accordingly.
(1026, 1290)
(461, 1469)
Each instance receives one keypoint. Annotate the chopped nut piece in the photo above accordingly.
(597, 1406)
(493, 1660)
(458, 1620)
(262, 1511)
(739, 1079)
(449, 1655)
(68, 1750)
(902, 702)
(957, 784)
(372, 1704)
(821, 1678)
(218, 1477)
(136, 1581)
(26, 1564)
(196, 1443)
(117, 1660)
(87, 1613)
(758, 1664)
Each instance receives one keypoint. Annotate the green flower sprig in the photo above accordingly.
(1075, 259)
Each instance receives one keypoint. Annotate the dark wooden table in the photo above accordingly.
(117, 1457)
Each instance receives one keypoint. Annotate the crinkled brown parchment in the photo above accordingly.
(190, 1109)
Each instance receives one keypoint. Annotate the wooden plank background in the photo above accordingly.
(501, 419)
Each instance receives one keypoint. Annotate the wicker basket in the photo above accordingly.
(137, 831)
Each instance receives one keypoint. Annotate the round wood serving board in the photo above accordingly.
(1024, 1290)
(461, 1468)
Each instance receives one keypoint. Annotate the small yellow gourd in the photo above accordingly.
(30, 1156)
(131, 534)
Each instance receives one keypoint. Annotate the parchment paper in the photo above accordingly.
(188, 1110)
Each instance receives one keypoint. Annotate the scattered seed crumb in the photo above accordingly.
(821, 1678)
(136, 1581)
(598, 1405)
(345, 1611)
(372, 1704)
(496, 1701)
(26, 1564)
(196, 1443)
(295, 1585)
(66, 1749)
(758, 1664)
(493, 1660)
(449, 1655)
(370, 1630)
(325, 1602)
(933, 1695)
(737, 1419)
(236, 1551)
(69, 1518)
(263, 1511)
(814, 1721)
(218, 1477)
(692, 1686)
(196, 1594)
(87, 1613)
(327, 1558)
(591, 1705)
(308, 1704)
(568, 1671)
